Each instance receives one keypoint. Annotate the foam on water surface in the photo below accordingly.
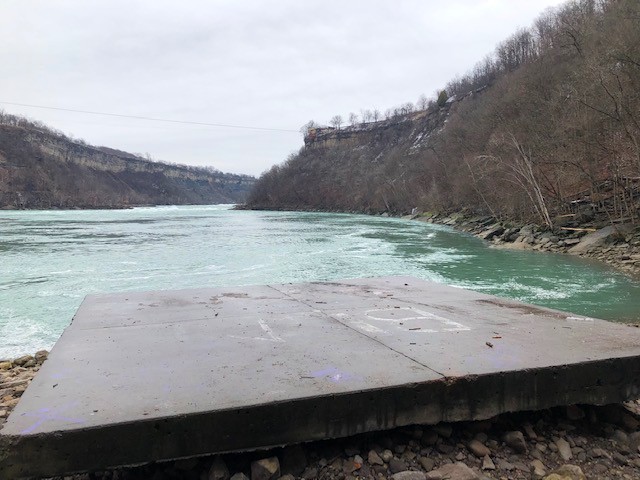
(49, 260)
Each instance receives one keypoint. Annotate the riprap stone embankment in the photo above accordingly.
(615, 244)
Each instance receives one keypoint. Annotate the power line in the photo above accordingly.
(186, 122)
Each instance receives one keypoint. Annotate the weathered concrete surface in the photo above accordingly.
(140, 377)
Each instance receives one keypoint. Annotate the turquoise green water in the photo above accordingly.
(49, 260)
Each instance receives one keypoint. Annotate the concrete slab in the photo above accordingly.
(140, 377)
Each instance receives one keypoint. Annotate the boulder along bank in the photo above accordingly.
(615, 244)
(576, 442)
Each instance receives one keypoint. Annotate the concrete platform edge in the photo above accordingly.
(262, 426)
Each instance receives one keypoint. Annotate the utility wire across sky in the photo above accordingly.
(136, 117)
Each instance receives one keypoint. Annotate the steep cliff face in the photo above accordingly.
(547, 129)
(376, 167)
(41, 169)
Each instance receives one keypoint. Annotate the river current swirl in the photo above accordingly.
(49, 260)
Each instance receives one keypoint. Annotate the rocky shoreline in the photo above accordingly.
(615, 244)
(15, 376)
(565, 443)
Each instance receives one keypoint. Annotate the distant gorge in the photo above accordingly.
(41, 169)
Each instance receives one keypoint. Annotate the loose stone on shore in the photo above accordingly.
(478, 448)
(15, 375)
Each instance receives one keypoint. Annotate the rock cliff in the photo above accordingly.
(374, 167)
(44, 169)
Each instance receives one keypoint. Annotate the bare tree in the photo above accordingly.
(520, 170)
(406, 108)
(353, 119)
(422, 103)
(336, 121)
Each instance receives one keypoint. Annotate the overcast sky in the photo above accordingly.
(275, 64)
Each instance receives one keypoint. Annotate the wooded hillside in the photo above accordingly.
(43, 168)
(549, 124)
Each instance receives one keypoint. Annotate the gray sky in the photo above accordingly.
(274, 64)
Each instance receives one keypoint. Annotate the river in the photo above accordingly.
(49, 260)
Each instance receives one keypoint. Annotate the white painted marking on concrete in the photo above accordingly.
(361, 324)
(367, 327)
(272, 336)
(448, 325)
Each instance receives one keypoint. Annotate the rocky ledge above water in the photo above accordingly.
(577, 442)
(616, 244)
